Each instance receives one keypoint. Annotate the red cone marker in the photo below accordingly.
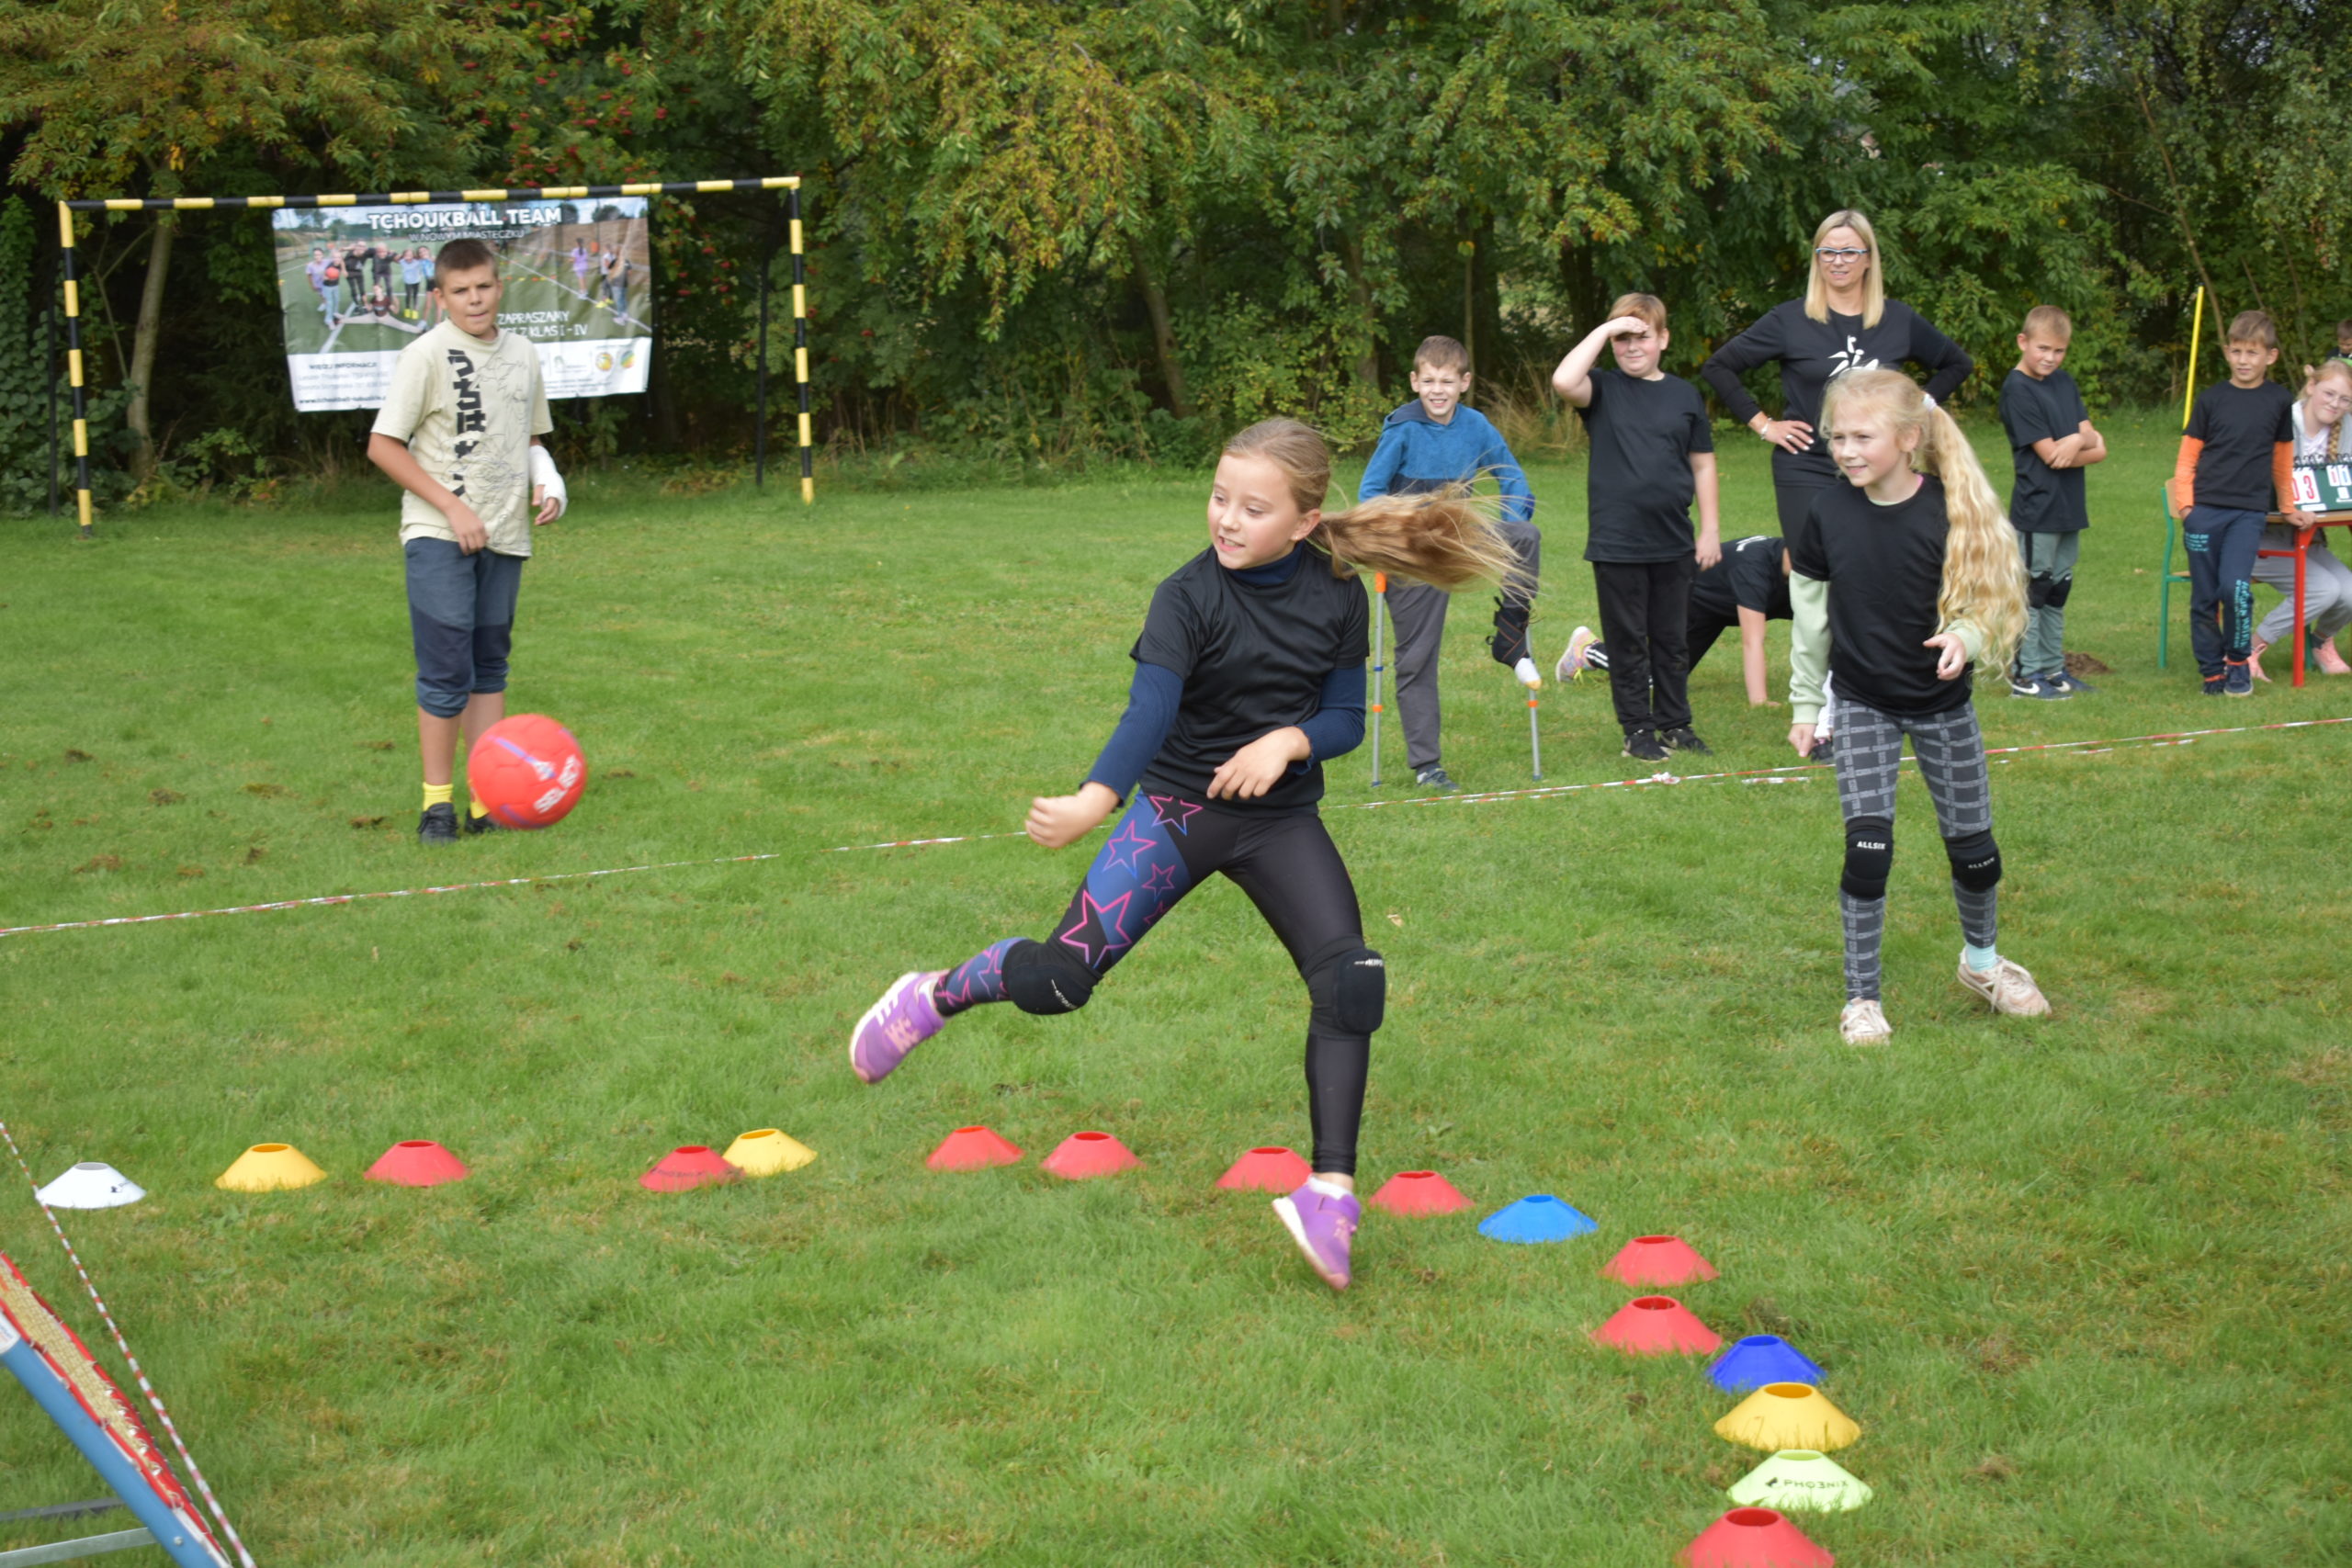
(1657, 1326)
(1085, 1155)
(972, 1149)
(1754, 1538)
(1267, 1170)
(417, 1162)
(688, 1166)
(1418, 1192)
(1660, 1262)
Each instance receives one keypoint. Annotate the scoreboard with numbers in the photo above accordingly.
(2323, 486)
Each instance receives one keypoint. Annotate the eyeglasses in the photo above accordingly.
(1830, 255)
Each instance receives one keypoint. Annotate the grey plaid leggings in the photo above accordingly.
(1868, 749)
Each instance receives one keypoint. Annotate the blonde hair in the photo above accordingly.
(2049, 321)
(1816, 287)
(1447, 538)
(2254, 326)
(1983, 582)
(1647, 307)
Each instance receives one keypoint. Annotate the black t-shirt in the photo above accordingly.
(1639, 484)
(1253, 657)
(1884, 566)
(1748, 578)
(1812, 353)
(2044, 500)
(2239, 426)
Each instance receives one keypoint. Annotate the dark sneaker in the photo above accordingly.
(2040, 686)
(438, 825)
(1324, 1225)
(485, 823)
(2071, 684)
(1681, 738)
(2214, 685)
(903, 1020)
(2237, 679)
(1643, 744)
(1436, 779)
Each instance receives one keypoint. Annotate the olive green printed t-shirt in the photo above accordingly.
(468, 411)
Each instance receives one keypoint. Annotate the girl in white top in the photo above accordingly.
(2322, 433)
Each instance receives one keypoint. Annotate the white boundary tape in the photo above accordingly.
(1794, 773)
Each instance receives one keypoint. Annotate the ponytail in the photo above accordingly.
(1983, 579)
(1447, 538)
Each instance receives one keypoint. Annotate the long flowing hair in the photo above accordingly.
(1447, 538)
(1817, 287)
(1983, 579)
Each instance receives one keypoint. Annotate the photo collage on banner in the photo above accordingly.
(355, 286)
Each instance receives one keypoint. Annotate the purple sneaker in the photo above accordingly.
(1323, 1223)
(901, 1020)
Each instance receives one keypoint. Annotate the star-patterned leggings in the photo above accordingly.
(1164, 847)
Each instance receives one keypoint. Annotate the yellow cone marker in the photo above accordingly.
(765, 1151)
(269, 1168)
(1788, 1416)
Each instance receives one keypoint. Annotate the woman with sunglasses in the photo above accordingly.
(1844, 322)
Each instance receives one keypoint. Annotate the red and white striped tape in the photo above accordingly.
(163, 1416)
(1794, 773)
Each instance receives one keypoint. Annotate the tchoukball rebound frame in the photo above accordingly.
(68, 275)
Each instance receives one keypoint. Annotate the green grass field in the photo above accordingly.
(2081, 1280)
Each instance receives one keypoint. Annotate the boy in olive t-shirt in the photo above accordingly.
(460, 432)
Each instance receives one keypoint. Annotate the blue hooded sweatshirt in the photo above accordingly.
(1417, 454)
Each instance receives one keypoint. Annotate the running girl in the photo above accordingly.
(1249, 676)
(1924, 578)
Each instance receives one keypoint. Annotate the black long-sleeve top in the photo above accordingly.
(1813, 354)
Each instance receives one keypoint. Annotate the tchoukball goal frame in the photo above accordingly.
(789, 184)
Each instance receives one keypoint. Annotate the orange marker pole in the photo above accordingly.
(1379, 603)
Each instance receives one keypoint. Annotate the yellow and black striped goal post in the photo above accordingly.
(789, 184)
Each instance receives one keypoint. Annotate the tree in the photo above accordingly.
(165, 97)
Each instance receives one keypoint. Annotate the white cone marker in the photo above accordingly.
(93, 1184)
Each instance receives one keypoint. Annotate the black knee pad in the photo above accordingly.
(2056, 598)
(1351, 990)
(1045, 978)
(2037, 591)
(1975, 861)
(1870, 855)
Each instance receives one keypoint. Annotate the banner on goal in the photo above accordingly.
(355, 287)
(67, 1383)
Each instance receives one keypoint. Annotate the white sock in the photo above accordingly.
(1328, 1188)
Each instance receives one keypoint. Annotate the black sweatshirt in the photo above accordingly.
(1812, 353)
(1884, 566)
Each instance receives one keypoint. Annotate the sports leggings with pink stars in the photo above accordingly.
(1166, 845)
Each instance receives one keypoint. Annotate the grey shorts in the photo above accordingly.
(461, 618)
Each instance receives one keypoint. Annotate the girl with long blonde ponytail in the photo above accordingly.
(1905, 574)
(1249, 674)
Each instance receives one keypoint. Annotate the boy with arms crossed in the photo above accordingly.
(460, 432)
(1653, 451)
(2052, 442)
(1428, 445)
(2236, 461)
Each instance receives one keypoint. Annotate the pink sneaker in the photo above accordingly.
(1324, 1225)
(903, 1020)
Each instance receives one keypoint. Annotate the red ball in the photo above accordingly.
(527, 771)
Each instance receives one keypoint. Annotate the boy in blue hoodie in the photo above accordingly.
(1431, 443)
